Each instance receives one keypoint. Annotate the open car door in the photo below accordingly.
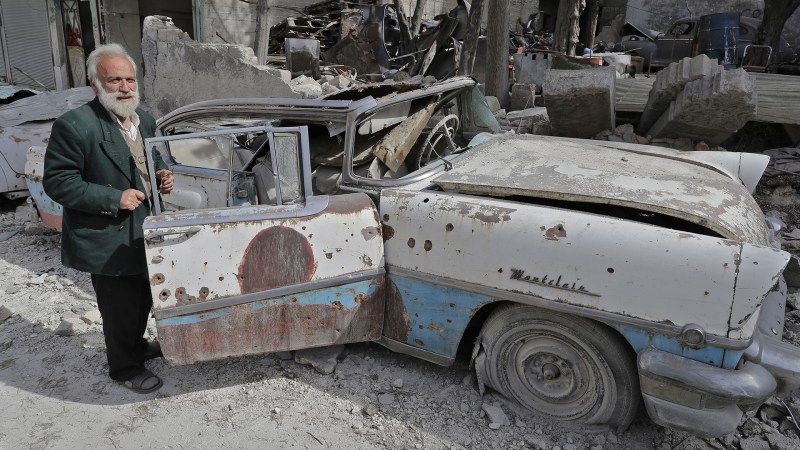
(274, 268)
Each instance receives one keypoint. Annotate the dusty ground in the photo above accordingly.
(55, 392)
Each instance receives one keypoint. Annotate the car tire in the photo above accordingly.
(567, 367)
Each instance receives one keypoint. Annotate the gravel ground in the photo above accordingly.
(56, 394)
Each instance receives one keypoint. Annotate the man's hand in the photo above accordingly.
(166, 181)
(131, 199)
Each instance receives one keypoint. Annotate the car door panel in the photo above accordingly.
(257, 278)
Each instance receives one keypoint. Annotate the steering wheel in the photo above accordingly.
(439, 139)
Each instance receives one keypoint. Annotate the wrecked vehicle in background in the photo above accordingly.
(582, 276)
(689, 36)
(24, 123)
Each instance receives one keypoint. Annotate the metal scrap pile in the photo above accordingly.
(374, 40)
(320, 21)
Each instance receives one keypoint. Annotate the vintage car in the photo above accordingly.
(582, 278)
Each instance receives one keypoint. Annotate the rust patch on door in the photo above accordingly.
(388, 232)
(278, 256)
(266, 326)
(397, 324)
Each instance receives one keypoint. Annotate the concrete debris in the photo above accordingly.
(179, 70)
(497, 418)
(306, 86)
(5, 313)
(92, 317)
(386, 399)
(580, 103)
(670, 82)
(494, 104)
(522, 96)
(710, 109)
(754, 443)
(322, 359)
(71, 326)
(532, 120)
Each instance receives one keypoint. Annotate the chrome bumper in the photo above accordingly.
(707, 400)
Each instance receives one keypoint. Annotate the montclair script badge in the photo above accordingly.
(553, 282)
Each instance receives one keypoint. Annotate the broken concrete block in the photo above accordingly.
(328, 89)
(70, 327)
(179, 70)
(341, 82)
(493, 103)
(5, 313)
(531, 120)
(710, 109)
(580, 103)
(670, 82)
(306, 86)
(92, 317)
(322, 359)
(497, 417)
(522, 96)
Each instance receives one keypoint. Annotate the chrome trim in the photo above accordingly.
(268, 294)
(401, 347)
(748, 385)
(708, 423)
(314, 205)
(689, 328)
(768, 350)
(556, 305)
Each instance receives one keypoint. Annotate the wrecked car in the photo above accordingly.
(682, 40)
(26, 122)
(581, 278)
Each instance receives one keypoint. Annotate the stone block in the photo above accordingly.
(493, 103)
(710, 109)
(522, 96)
(580, 103)
(670, 82)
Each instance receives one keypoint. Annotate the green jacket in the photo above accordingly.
(86, 167)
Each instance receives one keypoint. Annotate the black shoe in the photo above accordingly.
(153, 351)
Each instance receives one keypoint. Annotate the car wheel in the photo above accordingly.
(564, 366)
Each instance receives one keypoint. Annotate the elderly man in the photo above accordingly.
(95, 166)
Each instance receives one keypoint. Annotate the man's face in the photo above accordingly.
(116, 85)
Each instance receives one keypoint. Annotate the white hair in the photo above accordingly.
(105, 50)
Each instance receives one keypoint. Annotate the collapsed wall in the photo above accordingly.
(179, 70)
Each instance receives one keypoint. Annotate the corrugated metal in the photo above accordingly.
(27, 35)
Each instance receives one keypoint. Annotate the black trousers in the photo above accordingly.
(124, 304)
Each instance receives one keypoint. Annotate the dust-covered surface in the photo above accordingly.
(56, 394)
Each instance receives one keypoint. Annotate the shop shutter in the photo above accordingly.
(27, 42)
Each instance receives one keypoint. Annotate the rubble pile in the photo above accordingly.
(373, 40)
(320, 21)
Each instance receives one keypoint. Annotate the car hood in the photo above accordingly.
(646, 178)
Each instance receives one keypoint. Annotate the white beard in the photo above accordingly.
(120, 109)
